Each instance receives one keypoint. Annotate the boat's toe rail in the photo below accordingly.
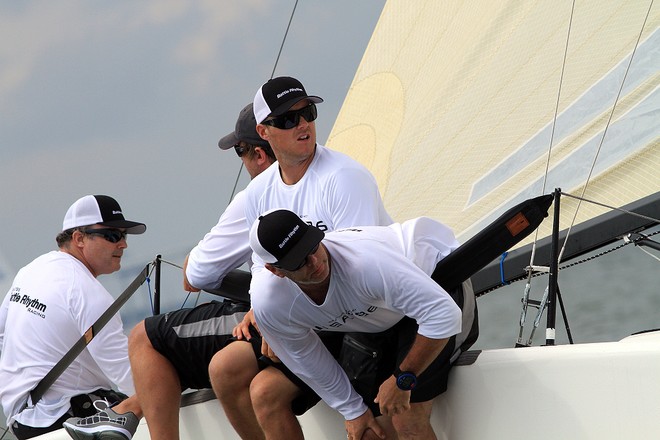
(652, 335)
(467, 358)
(197, 396)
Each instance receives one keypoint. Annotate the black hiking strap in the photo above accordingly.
(86, 338)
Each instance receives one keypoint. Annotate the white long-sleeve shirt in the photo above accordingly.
(52, 302)
(378, 275)
(335, 192)
(224, 248)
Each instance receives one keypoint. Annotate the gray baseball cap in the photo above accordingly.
(245, 131)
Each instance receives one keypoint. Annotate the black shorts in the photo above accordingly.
(308, 397)
(370, 358)
(189, 338)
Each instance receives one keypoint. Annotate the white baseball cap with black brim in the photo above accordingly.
(278, 95)
(99, 210)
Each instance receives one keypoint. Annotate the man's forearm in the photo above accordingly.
(423, 351)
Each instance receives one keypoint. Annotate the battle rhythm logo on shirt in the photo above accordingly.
(32, 305)
(346, 316)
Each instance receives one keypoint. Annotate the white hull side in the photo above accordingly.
(584, 391)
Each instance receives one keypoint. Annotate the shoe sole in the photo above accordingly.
(104, 435)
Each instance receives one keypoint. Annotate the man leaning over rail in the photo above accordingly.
(362, 279)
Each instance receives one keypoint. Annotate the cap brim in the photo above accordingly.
(228, 141)
(131, 227)
(287, 105)
(313, 236)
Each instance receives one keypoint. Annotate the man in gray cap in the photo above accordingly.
(53, 301)
(225, 247)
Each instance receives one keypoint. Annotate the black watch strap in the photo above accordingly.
(405, 380)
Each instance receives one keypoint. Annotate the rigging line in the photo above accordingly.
(277, 60)
(554, 125)
(238, 176)
(625, 211)
(288, 26)
(649, 253)
(607, 125)
(171, 264)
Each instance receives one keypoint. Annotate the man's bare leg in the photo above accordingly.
(415, 423)
(272, 393)
(231, 370)
(131, 404)
(157, 386)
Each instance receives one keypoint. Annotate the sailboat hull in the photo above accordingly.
(586, 391)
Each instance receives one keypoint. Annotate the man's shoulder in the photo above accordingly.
(329, 155)
(335, 163)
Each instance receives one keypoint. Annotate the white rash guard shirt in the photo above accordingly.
(224, 248)
(335, 192)
(52, 302)
(378, 276)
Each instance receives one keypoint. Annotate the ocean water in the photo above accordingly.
(606, 299)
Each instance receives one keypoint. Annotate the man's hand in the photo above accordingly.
(364, 427)
(268, 352)
(391, 399)
(242, 329)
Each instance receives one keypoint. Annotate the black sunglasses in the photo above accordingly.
(291, 119)
(111, 235)
(304, 261)
(240, 150)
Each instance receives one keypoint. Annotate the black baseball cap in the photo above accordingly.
(282, 239)
(278, 95)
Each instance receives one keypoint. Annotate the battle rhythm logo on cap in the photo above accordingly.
(297, 89)
(283, 239)
(278, 95)
(288, 237)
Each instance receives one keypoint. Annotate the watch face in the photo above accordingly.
(406, 381)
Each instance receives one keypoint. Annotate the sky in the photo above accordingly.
(130, 98)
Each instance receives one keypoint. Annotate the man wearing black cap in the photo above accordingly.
(328, 188)
(52, 302)
(363, 279)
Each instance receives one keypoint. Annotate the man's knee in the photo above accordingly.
(138, 338)
(272, 389)
(414, 423)
(233, 367)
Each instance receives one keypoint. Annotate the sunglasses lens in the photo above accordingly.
(111, 235)
(114, 236)
(291, 119)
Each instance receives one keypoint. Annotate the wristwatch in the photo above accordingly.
(405, 380)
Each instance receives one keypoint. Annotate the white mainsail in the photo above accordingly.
(452, 107)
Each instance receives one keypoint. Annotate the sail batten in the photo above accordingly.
(453, 106)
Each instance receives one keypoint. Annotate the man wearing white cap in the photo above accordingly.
(52, 302)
